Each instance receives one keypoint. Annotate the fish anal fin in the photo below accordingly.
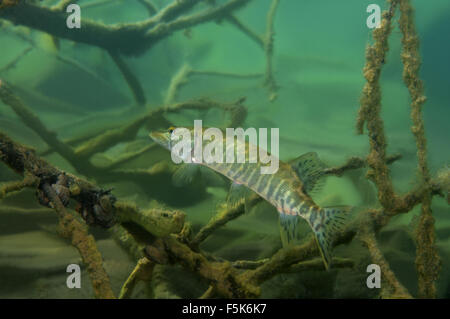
(289, 225)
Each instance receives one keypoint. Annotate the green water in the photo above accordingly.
(319, 52)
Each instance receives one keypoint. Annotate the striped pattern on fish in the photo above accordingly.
(284, 189)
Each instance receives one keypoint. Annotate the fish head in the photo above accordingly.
(168, 138)
(185, 135)
(163, 138)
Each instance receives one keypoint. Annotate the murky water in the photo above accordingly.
(81, 86)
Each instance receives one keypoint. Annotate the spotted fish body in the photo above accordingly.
(285, 189)
(282, 189)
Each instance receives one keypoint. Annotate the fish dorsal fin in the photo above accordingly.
(309, 169)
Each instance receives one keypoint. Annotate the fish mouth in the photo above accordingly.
(160, 138)
(157, 136)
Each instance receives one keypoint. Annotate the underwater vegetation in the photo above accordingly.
(160, 237)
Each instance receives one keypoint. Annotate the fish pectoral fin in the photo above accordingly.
(310, 170)
(185, 174)
(238, 194)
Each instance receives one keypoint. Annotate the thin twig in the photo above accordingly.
(132, 81)
(268, 48)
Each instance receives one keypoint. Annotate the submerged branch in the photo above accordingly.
(317, 264)
(32, 121)
(158, 222)
(427, 261)
(15, 61)
(182, 76)
(371, 107)
(222, 217)
(221, 275)
(10, 187)
(393, 288)
(128, 39)
(84, 243)
(356, 163)
(246, 30)
(268, 48)
(132, 81)
(142, 272)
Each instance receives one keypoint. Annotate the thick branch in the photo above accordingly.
(85, 245)
(127, 39)
(221, 275)
(427, 261)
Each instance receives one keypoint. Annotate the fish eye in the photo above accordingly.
(171, 129)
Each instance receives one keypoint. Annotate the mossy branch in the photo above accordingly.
(268, 49)
(392, 287)
(158, 222)
(371, 107)
(84, 243)
(317, 264)
(10, 187)
(110, 138)
(8, 3)
(142, 272)
(222, 217)
(96, 205)
(221, 275)
(427, 260)
(356, 163)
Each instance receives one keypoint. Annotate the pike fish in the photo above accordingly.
(288, 190)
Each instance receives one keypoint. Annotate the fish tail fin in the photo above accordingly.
(326, 223)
